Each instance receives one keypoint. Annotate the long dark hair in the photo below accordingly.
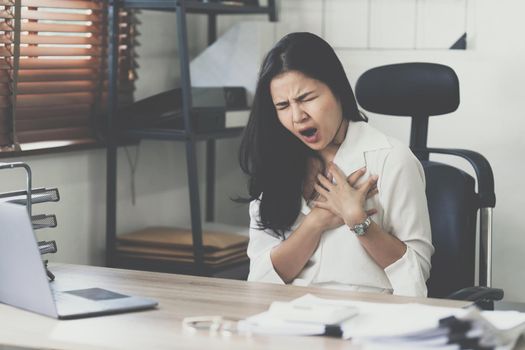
(274, 159)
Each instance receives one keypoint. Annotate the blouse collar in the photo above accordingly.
(360, 138)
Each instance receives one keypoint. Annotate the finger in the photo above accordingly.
(371, 212)
(365, 188)
(322, 191)
(314, 196)
(374, 178)
(338, 174)
(322, 205)
(324, 182)
(354, 177)
(318, 197)
(372, 193)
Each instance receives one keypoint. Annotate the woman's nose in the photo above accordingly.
(298, 114)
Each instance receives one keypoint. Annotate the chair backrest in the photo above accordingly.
(452, 206)
(409, 89)
(416, 90)
(421, 90)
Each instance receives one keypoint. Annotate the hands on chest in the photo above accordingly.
(342, 202)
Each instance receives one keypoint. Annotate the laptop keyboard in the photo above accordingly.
(96, 294)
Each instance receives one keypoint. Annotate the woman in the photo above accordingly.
(334, 202)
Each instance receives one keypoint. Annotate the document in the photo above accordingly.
(302, 316)
(403, 326)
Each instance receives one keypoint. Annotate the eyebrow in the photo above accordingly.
(298, 98)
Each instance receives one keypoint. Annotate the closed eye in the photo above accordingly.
(309, 99)
(281, 105)
(308, 96)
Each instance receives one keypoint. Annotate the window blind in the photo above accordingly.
(53, 69)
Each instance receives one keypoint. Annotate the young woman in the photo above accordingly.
(334, 202)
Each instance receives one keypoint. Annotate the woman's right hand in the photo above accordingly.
(328, 220)
(325, 219)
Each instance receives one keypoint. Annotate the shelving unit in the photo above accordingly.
(188, 135)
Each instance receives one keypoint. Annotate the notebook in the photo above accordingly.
(25, 284)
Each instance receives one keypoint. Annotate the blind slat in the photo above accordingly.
(4, 102)
(124, 83)
(55, 99)
(5, 77)
(5, 39)
(59, 28)
(28, 113)
(53, 123)
(4, 113)
(5, 27)
(57, 16)
(55, 51)
(56, 39)
(56, 75)
(7, 14)
(55, 134)
(66, 4)
(5, 90)
(55, 87)
(35, 63)
(64, 75)
(51, 51)
(5, 52)
(60, 16)
(52, 28)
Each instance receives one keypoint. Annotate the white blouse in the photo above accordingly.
(339, 260)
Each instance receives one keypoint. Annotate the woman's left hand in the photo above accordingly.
(343, 199)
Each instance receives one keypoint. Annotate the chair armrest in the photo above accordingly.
(485, 177)
(477, 294)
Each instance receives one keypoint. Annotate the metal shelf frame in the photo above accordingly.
(189, 136)
(181, 135)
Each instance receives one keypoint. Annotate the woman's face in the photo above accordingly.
(307, 108)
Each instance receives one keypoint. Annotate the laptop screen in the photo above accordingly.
(24, 281)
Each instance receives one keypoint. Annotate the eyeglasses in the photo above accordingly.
(214, 324)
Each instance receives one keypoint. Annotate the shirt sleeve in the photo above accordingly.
(259, 249)
(402, 193)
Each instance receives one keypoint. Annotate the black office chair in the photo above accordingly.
(422, 90)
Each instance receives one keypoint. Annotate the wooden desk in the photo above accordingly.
(178, 296)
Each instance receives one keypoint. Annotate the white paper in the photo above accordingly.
(235, 58)
(265, 323)
(399, 326)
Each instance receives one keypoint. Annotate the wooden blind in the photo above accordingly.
(53, 69)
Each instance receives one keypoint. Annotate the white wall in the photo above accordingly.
(489, 120)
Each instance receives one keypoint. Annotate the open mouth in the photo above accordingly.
(308, 132)
(310, 135)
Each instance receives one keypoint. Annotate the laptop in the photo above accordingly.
(25, 285)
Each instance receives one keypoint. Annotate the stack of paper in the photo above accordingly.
(403, 326)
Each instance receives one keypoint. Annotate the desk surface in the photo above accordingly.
(178, 296)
